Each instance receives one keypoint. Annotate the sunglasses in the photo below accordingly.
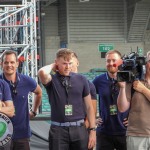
(114, 89)
(14, 89)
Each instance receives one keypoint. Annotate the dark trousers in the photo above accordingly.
(68, 138)
(108, 142)
(21, 144)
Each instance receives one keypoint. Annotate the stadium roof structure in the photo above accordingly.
(18, 31)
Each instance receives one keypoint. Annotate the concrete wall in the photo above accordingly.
(90, 57)
(147, 42)
(88, 53)
(52, 40)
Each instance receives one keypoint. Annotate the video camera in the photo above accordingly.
(132, 68)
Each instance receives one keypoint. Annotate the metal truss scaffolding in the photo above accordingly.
(18, 32)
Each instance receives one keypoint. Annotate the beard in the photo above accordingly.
(112, 70)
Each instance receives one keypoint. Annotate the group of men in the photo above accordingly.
(123, 121)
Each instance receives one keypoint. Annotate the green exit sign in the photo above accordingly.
(105, 47)
(140, 51)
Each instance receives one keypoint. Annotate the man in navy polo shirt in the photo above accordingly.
(20, 86)
(6, 103)
(75, 64)
(112, 128)
(6, 108)
(68, 93)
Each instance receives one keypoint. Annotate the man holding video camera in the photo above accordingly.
(136, 96)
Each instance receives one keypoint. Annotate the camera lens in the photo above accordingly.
(123, 76)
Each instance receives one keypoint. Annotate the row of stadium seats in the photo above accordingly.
(91, 75)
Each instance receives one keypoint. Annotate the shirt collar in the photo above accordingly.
(109, 78)
(59, 75)
(8, 81)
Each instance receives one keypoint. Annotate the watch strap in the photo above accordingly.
(34, 113)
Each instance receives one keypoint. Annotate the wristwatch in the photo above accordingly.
(92, 129)
(34, 113)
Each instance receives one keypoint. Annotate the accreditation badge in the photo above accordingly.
(68, 110)
(6, 130)
(113, 109)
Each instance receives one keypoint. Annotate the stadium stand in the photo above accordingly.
(45, 102)
(98, 70)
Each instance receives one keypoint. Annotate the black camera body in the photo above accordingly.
(132, 68)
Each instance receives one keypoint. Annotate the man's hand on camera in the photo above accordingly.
(138, 86)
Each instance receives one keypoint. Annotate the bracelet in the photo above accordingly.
(34, 113)
(93, 129)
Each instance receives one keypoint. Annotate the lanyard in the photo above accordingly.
(65, 81)
(114, 90)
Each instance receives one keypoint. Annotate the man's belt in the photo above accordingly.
(68, 124)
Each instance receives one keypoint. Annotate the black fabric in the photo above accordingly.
(68, 138)
(58, 97)
(110, 142)
(21, 144)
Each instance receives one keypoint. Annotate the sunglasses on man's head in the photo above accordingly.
(114, 89)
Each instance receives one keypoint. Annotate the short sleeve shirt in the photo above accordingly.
(92, 91)
(139, 120)
(58, 97)
(24, 86)
(112, 124)
(5, 93)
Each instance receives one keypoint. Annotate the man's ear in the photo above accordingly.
(56, 65)
(17, 64)
(77, 63)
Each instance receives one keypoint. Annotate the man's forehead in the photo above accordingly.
(112, 55)
(66, 59)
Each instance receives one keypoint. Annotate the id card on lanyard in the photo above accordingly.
(113, 110)
(68, 110)
(66, 84)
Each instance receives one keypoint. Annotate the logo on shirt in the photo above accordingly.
(6, 130)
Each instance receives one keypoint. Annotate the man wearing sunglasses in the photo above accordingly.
(6, 110)
(20, 86)
(111, 128)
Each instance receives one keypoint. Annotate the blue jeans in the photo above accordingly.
(68, 138)
(110, 142)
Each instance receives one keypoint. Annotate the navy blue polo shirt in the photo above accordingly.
(112, 124)
(58, 97)
(5, 93)
(20, 121)
(92, 91)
